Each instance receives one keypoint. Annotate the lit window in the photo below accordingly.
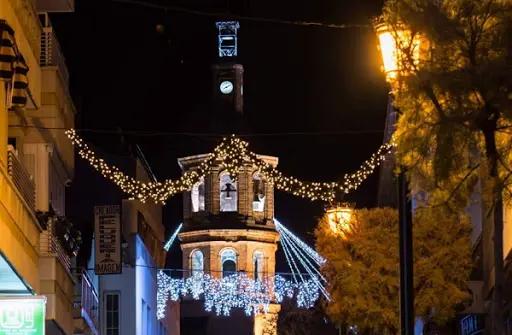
(228, 261)
(197, 261)
(258, 265)
(197, 196)
(258, 187)
(112, 324)
(228, 196)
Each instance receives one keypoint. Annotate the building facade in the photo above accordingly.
(38, 242)
(126, 301)
(228, 227)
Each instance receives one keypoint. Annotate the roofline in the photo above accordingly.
(195, 160)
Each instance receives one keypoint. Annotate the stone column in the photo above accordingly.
(187, 205)
(269, 202)
(266, 323)
(212, 192)
(243, 192)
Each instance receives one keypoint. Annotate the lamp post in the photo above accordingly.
(391, 47)
(339, 218)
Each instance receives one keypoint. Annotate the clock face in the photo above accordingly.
(226, 87)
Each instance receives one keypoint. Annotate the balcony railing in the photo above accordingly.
(51, 53)
(86, 300)
(50, 246)
(21, 178)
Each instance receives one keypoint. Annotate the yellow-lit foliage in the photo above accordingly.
(455, 104)
(363, 268)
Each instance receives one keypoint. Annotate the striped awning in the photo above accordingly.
(13, 68)
(7, 51)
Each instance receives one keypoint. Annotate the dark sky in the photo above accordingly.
(297, 79)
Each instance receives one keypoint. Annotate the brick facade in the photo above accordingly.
(245, 231)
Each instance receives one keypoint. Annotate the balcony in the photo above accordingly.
(86, 303)
(51, 246)
(55, 6)
(57, 281)
(51, 53)
(21, 178)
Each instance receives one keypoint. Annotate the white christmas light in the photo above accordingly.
(235, 291)
(283, 231)
(230, 155)
(168, 244)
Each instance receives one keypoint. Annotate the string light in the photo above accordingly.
(231, 155)
(221, 295)
(238, 290)
(169, 243)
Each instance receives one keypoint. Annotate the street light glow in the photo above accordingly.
(339, 219)
(392, 49)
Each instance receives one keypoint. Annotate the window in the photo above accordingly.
(258, 189)
(112, 318)
(258, 265)
(228, 262)
(197, 261)
(228, 196)
(197, 196)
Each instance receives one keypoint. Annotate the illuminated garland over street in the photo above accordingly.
(232, 154)
(221, 295)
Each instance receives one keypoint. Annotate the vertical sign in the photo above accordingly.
(107, 237)
(22, 315)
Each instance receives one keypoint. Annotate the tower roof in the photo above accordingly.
(191, 161)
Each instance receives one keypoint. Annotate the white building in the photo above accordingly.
(127, 301)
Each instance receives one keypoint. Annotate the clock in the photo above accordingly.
(226, 87)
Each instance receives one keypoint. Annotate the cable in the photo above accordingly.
(240, 17)
(185, 270)
(156, 133)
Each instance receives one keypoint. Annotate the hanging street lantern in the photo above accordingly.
(396, 46)
(339, 218)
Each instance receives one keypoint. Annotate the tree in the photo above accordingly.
(455, 107)
(300, 321)
(362, 267)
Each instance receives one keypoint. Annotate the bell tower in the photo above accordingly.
(228, 226)
(228, 83)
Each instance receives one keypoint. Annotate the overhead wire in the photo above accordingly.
(193, 134)
(239, 17)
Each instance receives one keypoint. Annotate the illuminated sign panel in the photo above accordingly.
(22, 315)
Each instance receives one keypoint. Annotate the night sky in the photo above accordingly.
(298, 79)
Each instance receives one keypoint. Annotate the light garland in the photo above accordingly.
(221, 295)
(231, 155)
(169, 242)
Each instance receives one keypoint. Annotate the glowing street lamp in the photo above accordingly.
(400, 50)
(339, 219)
(395, 47)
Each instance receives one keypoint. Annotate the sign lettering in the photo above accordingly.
(107, 236)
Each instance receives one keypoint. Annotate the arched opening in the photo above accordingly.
(258, 190)
(197, 196)
(228, 262)
(197, 262)
(258, 265)
(228, 194)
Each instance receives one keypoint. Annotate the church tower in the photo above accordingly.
(228, 221)
(228, 80)
(228, 227)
